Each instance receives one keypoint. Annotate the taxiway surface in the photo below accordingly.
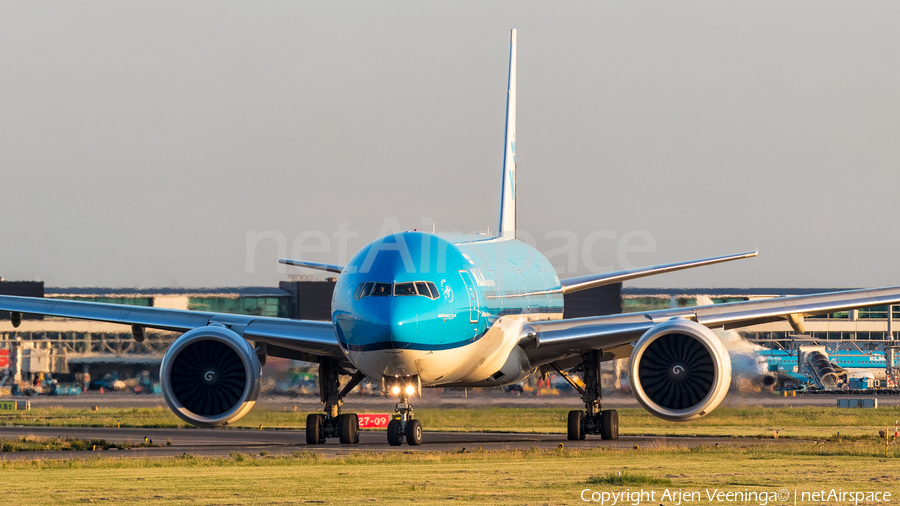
(222, 442)
(450, 400)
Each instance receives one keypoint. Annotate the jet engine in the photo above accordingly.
(210, 376)
(680, 370)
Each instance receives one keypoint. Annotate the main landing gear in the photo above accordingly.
(333, 423)
(592, 420)
(402, 423)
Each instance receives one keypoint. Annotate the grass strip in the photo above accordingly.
(59, 444)
(480, 477)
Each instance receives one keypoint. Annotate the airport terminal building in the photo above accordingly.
(68, 346)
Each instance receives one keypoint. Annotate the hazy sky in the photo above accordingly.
(141, 142)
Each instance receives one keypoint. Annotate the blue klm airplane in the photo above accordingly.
(414, 310)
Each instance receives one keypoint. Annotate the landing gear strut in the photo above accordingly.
(402, 423)
(592, 420)
(333, 423)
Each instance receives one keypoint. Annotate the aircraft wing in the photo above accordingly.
(312, 265)
(550, 341)
(301, 339)
(594, 280)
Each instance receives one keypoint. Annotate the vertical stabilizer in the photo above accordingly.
(507, 228)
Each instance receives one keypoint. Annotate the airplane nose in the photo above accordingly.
(404, 326)
(373, 332)
(391, 325)
(403, 322)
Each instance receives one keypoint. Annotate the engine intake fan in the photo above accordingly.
(680, 370)
(210, 376)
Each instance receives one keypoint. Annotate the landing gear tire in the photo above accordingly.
(349, 428)
(315, 435)
(414, 433)
(575, 429)
(609, 424)
(395, 438)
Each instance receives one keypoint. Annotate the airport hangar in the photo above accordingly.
(67, 346)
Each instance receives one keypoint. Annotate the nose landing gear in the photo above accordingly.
(402, 423)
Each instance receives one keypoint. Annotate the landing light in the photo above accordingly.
(395, 390)
(410, 390)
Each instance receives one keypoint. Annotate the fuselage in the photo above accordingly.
(446, 308)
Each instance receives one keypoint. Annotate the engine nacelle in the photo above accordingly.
(210, 376)
(679, 370)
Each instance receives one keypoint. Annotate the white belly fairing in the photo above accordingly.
(469, 365)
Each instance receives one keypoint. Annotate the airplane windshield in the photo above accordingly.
(362, 290)
(381, 290)
(420, 288)
(404, 289)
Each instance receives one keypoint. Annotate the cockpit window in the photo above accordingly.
(381, 290)
(423, 288)
(434, 291)
(404, 289)
(362, 290)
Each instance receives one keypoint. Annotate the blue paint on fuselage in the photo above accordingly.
(480, 279)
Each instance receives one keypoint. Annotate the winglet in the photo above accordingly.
(507, 226)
